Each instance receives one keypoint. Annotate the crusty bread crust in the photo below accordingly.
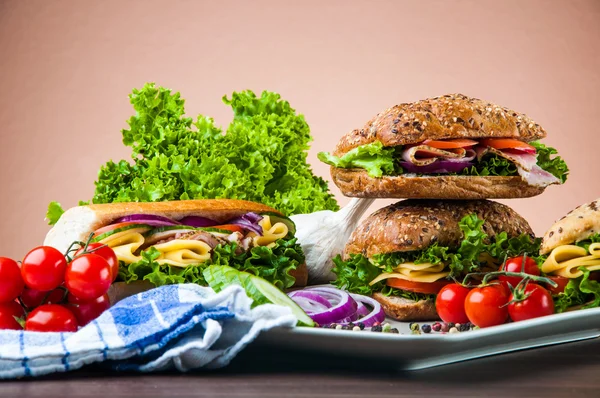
(357, 183)
(416, 224)
(446, 117)
(576, 226)
(406, 310)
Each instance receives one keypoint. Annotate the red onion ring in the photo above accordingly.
(148, 219)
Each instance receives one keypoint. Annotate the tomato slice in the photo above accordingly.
(562, 283)
(229, 227)
(111, 227)
(418, 287)
(449, 144)
(508, 143)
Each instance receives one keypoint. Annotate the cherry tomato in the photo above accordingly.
(43, 268)
(418, 287)
(8, 313)
(486, 306)
(33, 298)
(537, 303)
(88, 276)
(51, 318)
(11, 281)
(515, 264)
(230, 227)
(87, 311)
(562, 284)
(106, 253)
(450, 303)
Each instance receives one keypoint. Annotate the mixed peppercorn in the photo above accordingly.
(415, 328)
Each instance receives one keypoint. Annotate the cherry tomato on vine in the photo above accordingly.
(32, 298)
(450, 303)
(106, 253)
(11, 281)
(51, 318)
(8, 313)
(87, 311)
(534, 301)
(515, 264)
(487, 305)
(43, 268)
(88, 276)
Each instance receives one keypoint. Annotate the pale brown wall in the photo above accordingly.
(68, 66)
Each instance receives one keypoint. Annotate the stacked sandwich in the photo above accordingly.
(446, 156)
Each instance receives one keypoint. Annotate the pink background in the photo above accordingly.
(68, 66)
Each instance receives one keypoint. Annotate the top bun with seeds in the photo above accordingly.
(436, 148)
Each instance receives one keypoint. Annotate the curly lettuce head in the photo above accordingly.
(261, 157)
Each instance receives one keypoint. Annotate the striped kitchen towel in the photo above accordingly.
(181, 327)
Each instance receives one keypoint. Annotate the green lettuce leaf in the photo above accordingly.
(580, 291)
(391, 291)
(175, 157)
(272, 264)
(595, 238)
(355, 274)
(554, 165)
(491, 165)
(372, 157)
(54, 212)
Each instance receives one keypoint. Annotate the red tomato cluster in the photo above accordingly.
(497, 302)
(47, 293)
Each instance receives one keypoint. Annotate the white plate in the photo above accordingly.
(408, 351)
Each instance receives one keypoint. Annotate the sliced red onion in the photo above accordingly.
(307, 294)
(148, 219)
(198, 222)
(342, 306)
(441, 167)
(309, 306)
(249, 221)
(376, 315)
(361, 310)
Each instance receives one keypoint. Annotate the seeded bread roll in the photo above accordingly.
(406, 310)
(358, 184)
(577, 225)
(412, 225)
(447, 117)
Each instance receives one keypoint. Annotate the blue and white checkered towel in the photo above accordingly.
(179, 327)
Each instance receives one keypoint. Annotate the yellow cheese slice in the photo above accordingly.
(182, 252)
(125, 245)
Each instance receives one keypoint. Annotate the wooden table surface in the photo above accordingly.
(568, 370)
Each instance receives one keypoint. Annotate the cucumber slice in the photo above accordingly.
(105, 235)
(259, 290)
(283, 219)
(278, 297)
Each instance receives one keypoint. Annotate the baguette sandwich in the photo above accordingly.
(450, 147)
(403, 254)
(172, 242)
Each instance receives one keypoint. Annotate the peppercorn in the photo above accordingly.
(463, 327)
(451, 325)
(426, 328)
(356, 328)
(436, 327)
(453, 330)
(346, 327)
(386, 327)
(445, 328)
(376, 328)
(338, 327)
(377, 324)
(394, 330)
(351, 325)
(361, 325)
(414, 328)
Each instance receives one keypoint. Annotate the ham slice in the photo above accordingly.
(424, 155)
(538, 177)
(524, 160)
